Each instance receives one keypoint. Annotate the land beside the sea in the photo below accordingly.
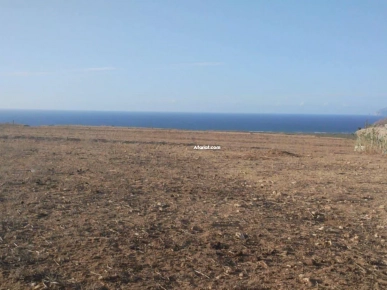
(119, 208)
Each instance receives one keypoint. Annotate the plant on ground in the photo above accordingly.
(373, 140)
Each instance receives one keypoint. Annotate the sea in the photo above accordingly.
(285, 123)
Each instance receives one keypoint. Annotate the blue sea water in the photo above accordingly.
(194, 121)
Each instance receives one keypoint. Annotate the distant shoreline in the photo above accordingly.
(268, 123)
(317, 134)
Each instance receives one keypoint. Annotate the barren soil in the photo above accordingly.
(116, 208)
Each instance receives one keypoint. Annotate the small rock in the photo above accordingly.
(241, 236)
(196, 229)
(308, 262)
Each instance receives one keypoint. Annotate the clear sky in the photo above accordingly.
(194, 56)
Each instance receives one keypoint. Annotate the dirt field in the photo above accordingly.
(115, 208)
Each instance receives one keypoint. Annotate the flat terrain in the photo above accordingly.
(116, 208)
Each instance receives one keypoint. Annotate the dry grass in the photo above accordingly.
(372, 139)
(115, 208)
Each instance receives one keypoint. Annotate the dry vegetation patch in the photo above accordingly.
(372, 140)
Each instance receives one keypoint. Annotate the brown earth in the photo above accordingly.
(116, 208)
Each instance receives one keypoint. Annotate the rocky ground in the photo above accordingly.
(115, 208)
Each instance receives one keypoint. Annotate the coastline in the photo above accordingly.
(269, 123)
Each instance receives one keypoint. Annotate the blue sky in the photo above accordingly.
(197, 56)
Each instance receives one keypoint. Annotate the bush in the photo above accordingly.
(372, 139)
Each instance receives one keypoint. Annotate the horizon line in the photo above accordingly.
(188, 112)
